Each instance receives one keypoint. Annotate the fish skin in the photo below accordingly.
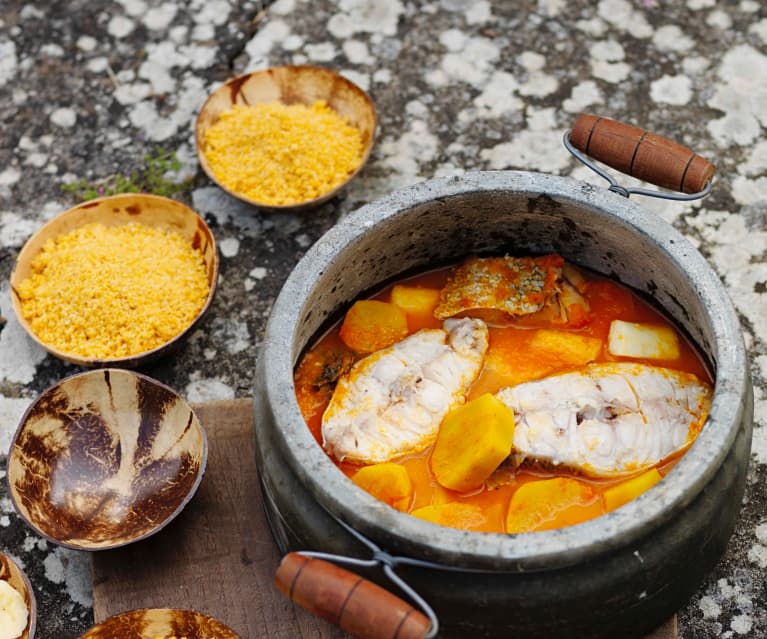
(499, 289)
(607, 419)
(392, 402)
(513, 285)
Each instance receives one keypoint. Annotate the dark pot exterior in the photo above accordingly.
(619, 575)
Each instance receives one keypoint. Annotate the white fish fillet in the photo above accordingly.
(607, 419)
(393, 401)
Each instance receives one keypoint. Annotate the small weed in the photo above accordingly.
(153, 178)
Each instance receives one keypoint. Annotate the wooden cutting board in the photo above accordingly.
(218, 556)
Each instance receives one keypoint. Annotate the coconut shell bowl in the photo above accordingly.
(290, 85)
(11, 602)
(105, 458)
(150, 623)
(158, 213)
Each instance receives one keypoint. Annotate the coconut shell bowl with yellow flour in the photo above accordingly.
(105, 458)
(285, 139)
(117, 281)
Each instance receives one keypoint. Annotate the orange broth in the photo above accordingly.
(509, 344)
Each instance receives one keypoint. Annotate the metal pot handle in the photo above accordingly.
(641, 154)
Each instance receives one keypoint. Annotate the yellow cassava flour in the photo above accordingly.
(282, 154)
(113, 291)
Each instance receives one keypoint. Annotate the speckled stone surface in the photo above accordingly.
(88, 89)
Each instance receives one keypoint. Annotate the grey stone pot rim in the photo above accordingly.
(499, 552)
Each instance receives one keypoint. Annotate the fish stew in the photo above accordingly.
(551, 332)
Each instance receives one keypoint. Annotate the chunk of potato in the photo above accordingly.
(454, 514)
(371, 325)
(630, 339)
(551, 503)
(472, 441)
(516, 356)
(624, 492)
(418, 303)
(565, 348)
(388, 482)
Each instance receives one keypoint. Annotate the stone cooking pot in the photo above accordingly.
(619, 575)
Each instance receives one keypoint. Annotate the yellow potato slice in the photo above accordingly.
(415, 301)
(646, 341)
(388, 482)
(624, 492)
(371, 325)
(472, 441)
(551, 503)
(454, 514)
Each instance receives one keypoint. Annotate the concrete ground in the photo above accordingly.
(88, 89)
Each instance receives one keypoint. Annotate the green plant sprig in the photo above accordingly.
(151, 179)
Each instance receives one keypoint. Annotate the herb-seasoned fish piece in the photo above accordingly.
(607, 419)
(393, 401)
(498, 288)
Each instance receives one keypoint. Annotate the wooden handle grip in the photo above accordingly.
(644, 155)
(357, 605)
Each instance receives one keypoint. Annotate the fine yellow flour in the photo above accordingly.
(282, 154)
(106, 292)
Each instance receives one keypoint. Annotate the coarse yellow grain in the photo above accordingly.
(106, 292)
(282, 154)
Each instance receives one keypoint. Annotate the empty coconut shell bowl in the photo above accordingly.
(116, 281)
(18, 606)
(285, 138)
(105, 458)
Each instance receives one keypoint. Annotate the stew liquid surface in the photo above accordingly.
(520, 349)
